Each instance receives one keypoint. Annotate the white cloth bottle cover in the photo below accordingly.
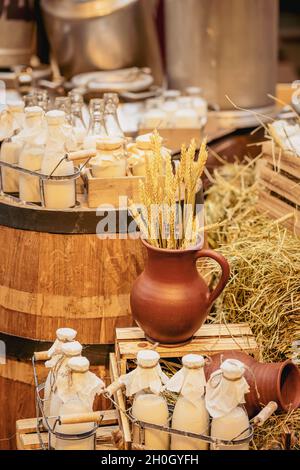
(147, 375)
(80, 382)
(190, 380)
(73, 348)
(226, 388)
(63, 335)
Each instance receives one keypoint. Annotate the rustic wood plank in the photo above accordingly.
(206, 330)
(280, 184)
(119, 398)
(285, 160)
(205, 346)
(277, 209)
(30, 441)
(174, 138)
(106, 191)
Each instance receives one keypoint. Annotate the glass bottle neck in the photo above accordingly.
(112, 124)
(77, 116)
(97, 126)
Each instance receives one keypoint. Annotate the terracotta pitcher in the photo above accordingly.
(170, 300)
(278, 381)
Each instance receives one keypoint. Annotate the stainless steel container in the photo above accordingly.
(17, 38)
(88, 35)
(227, 47)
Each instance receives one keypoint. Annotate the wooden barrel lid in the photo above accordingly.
(78, 220)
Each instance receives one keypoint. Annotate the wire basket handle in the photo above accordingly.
(73, 156)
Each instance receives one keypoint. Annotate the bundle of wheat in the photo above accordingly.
(167, 217)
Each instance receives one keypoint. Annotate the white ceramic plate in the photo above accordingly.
(133, 79)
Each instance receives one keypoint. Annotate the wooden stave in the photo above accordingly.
(37, 283)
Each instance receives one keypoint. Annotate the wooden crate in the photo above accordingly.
(28, 439)
(209, 339)
(106, 191)
(174, 138)
(279, 187)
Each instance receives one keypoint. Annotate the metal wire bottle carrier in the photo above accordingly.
(51, 422)
(44, 179)
(237, 441)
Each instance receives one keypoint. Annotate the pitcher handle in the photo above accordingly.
(206, 253)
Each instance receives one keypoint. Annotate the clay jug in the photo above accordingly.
(278, 381)
(170, 300)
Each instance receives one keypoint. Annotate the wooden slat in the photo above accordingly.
(119, 398)
(106, 191)
(277, 209)
(287, 161)
(203, 346)
(30, 441)
(206, 331)
(280, 184)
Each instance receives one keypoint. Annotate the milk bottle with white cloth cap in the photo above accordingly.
(190, 413)
(77, 395)
(145, 384)
(225, 396)
(60, 374)
(63, 335)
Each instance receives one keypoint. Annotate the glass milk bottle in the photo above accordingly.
(190, 413)
(198, 103)
(145, 384)
(31, 155)
(63, 103)
(170, 106)
(12, 146)
(96, 129)
(10, 153)
(111, 120)
(43, 100)
(225, 396)
(57, 194)
(77, 395)
(140, 152)
(59, 373)
(155, 117)
(77, 120)
(6, 122)
(16, 108)
(63, 335)
(110, 160)
(186, 116)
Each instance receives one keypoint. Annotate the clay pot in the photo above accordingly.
(170, 300)
(279, 381)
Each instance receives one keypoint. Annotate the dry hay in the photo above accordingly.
(264, 288)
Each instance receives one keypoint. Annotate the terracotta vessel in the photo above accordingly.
(170, 300)
(279, 382)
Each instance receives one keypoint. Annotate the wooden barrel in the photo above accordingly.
(54, 272)
(50, 280)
